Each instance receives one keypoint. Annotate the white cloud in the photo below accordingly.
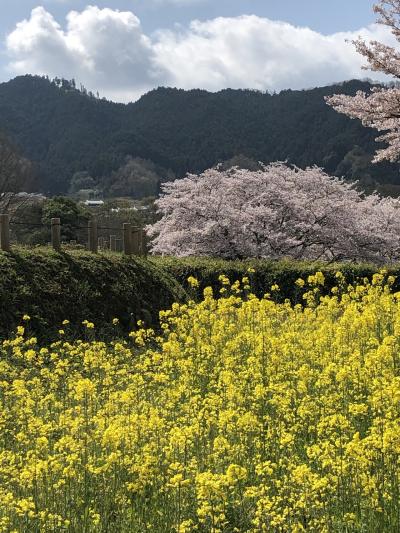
(108, 51)
(103, 48)
(255, 52)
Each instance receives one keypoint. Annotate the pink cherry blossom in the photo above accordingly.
(279, 211)
(381, 108)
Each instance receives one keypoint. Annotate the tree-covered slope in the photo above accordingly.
(66, 131)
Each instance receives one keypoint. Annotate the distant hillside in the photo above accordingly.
(66, 131)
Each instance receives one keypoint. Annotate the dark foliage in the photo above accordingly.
(16, 173)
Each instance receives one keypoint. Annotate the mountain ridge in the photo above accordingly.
(64, 130)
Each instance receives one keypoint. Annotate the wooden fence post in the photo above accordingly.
(143, 243)
(140, 242)
(135, 241)
(56, 234)
(127, 238)
(92, 236)
(5, 232)
(113, 243)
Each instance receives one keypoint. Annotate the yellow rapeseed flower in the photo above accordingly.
(236, 414)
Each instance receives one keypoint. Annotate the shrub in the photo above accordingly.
(75, 286)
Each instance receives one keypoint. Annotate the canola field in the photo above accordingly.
(243, 415)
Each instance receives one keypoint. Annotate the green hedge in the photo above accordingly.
(267, 273)
(77, 286)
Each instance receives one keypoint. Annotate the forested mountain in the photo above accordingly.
(66, 130)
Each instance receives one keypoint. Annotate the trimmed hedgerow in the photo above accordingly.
(263, 274)
(77, 286)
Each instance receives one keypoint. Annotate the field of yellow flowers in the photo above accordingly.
(242, 415)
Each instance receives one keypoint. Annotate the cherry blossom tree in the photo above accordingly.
(278, 211)
(381, 108)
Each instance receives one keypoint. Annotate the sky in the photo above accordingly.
(124, 48)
